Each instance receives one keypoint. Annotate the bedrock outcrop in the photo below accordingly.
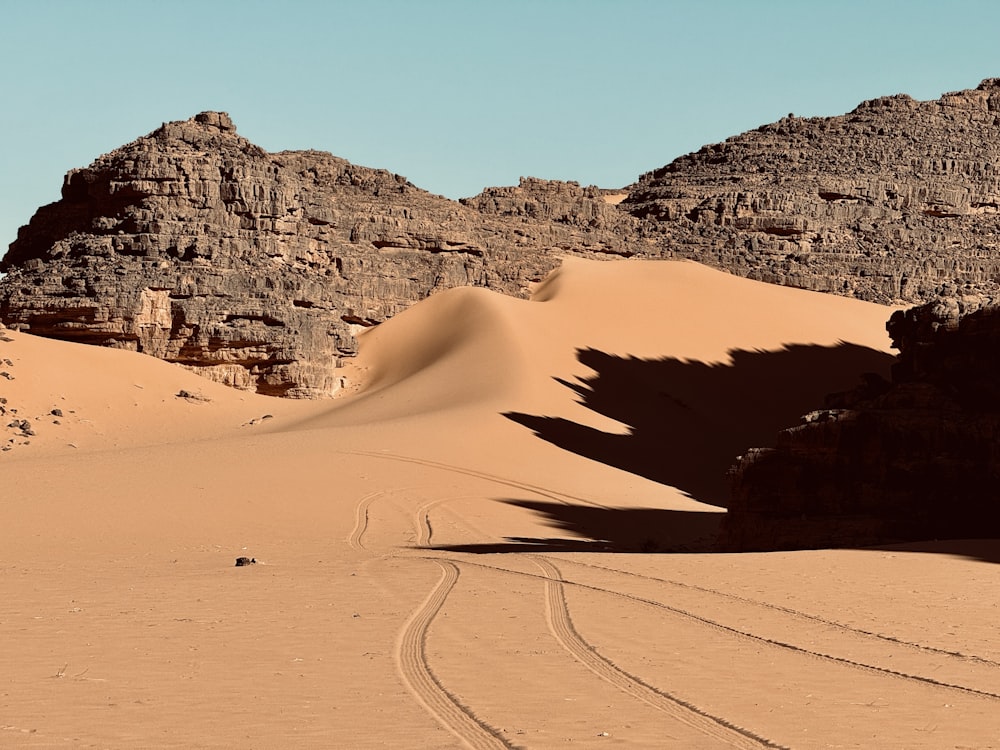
(911, 459)
(257, 269)
(896, 201)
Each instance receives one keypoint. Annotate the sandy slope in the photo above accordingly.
(459, 553)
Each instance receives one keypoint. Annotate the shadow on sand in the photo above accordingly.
(611, 530)
(688, 421)
(653, 530)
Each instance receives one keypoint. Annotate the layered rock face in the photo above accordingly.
(896, 201)
(917, 458)
(194, 245)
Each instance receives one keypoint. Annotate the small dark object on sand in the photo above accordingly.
(241, 561)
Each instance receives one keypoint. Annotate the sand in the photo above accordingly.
(495, 538)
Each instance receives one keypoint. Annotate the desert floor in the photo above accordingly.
(495, 538)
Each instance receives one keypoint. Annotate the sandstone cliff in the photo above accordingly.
(898, 200)
(194, 245)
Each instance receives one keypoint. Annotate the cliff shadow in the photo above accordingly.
(608, 529)
(653, 530)
(688, 420)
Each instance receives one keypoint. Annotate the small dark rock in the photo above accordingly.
(56, 412)
(192, 396)
(241, 561)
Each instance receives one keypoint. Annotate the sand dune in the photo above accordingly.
(467, 549)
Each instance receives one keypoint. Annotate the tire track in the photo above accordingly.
(361, 521)
(798, 613)
(561, 625)
(411, 658)
(772, 642)
(559, 497)
(422, 519)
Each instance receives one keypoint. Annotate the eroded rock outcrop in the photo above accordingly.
(896, 201)
(917, 458)
(196, 246)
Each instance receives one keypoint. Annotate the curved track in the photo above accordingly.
(411, 658)
(561, 625)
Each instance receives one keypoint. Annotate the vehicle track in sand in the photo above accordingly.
(361, 521)
(561, 626)
(746, 635)
(411, 659)
(424, 530)
(797, 614)
(559, 497)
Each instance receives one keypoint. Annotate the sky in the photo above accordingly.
(458, 95)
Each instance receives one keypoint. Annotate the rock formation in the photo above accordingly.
(196, 246)
(896, 201)
(256, 269)
(916, 458)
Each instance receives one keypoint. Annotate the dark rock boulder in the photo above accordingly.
(917, 458)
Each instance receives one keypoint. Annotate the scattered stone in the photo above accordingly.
(241, 561)
(192, 396)
(7, 375)
(56, 412)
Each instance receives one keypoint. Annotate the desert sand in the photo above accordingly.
(496, 537)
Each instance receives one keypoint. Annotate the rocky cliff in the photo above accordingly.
(917, 458)
(898, 200)
(194, 245)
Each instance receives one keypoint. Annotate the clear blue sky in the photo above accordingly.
(459, 94)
